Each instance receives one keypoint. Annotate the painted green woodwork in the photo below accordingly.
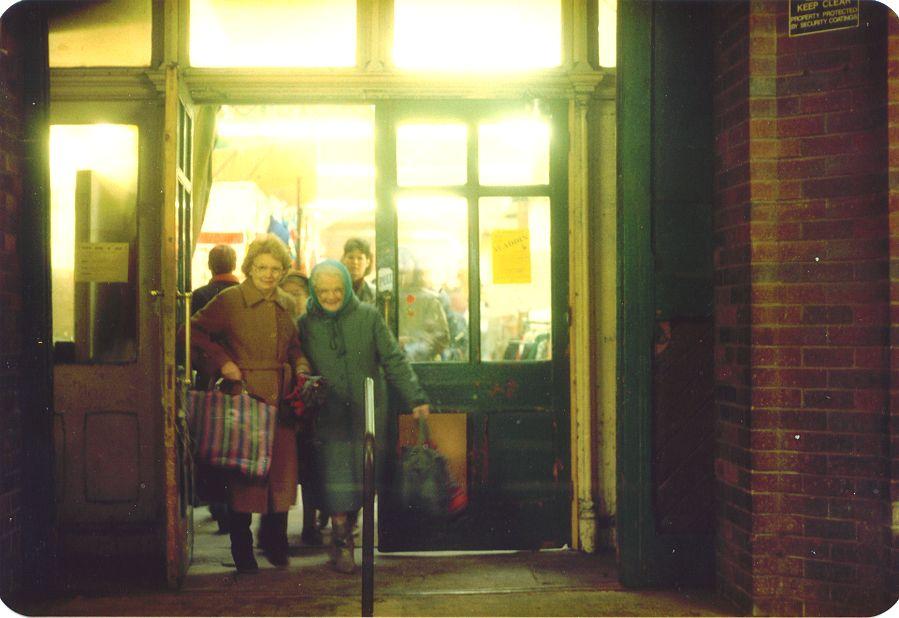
(682, 160)
(635, 316)
(647, 558)
(517, 413)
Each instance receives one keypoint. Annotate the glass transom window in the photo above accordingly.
(100, 34)
(274, 33)
(477, 35)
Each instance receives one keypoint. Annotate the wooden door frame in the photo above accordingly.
(648, 558)
(577, 447)
(177, 554)
(578, 80)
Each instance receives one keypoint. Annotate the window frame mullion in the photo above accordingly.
(374, 35)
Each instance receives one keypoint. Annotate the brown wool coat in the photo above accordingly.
(260, 336)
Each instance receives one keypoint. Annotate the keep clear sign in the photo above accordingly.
(809, 16)
(511, 256)
(101, 262)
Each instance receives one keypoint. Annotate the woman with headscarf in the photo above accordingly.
(347, 341)
(248, 332)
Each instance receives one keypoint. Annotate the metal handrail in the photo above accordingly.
(368, 504)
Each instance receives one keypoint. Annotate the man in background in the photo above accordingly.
(222, 263)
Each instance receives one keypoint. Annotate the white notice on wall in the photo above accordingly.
(101, 262)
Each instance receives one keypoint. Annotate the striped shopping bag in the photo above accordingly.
(234, 432)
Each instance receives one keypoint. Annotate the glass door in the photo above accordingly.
(471, 254)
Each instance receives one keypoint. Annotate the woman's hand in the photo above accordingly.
(422, 411)
(230, 371)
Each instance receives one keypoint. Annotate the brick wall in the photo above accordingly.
(801, 223)
(731, 301)
(11, 163)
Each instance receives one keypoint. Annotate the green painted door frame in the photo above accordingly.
(647, 558)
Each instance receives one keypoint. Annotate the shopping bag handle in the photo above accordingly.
(424, 430)
(243, 384)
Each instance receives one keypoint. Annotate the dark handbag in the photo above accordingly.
(232, 432)
(424, 484)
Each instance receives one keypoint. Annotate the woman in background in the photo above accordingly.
(358, 259)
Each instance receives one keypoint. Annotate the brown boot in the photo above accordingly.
(342, 559)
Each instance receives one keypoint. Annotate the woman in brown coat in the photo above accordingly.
(248, 332)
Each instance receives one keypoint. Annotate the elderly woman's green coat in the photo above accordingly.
(346, 347)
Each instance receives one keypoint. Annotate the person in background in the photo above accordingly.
(249, 332)
(347, 341)
(423, 329)
(222, 262)
(358, 261)
(296, 284)
(454, 300)
(357, 258)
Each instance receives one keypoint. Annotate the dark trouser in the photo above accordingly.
(219, 512)
(273, 532)
(241, 538)
(309, 522)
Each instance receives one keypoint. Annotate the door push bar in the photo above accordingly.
(368, 503)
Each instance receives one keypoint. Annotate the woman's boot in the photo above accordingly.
(242, 542)
(342, 559)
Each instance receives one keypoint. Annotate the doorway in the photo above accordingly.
(464, 204)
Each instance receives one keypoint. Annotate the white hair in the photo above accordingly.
(325, 269)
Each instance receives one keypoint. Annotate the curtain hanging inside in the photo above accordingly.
(204, 143)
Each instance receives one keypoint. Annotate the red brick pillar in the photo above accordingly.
(731, 301)
(11, 166)
(803, 301)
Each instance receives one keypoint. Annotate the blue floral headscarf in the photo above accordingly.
(348, 296)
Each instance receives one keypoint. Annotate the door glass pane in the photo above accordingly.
(477, 35)
(431, 155)
(304, 172)
(432, 277)
(608, 13)
(514, 151)
(105, 33)
(274, 33)
(93, 231)
(515, 271)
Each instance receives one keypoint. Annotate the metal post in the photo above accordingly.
(368, 505)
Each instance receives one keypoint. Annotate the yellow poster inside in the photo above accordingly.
(511, 256)
(101, 262)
